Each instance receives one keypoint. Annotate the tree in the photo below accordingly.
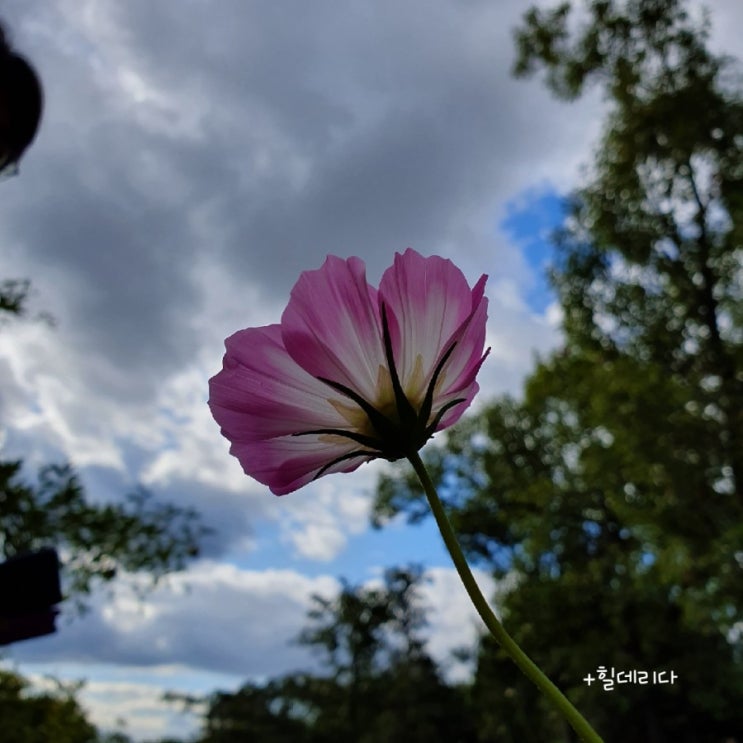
(352, 631)
(40, 718)
(655, 240)
(386, 685)
(138, 534)
(649, 268)
(612, 493)
(256, 712)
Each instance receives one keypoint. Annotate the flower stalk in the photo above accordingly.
(519, 657)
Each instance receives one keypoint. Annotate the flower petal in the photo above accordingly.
(287, 463)
(465, 361)
(457, 380)
(261, 397)
(331, 326)
(432, 306)
(262, 393)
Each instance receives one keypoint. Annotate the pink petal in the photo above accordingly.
(261, 397)
(331, 326)
(457, 379)
(286, 464)
(465, 361)
(433, 306)
(455, 413)
(261, 392)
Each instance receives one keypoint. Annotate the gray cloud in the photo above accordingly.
(192, 163)
(250, 628)
(283, 135)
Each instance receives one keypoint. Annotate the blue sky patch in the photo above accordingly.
(530, 219)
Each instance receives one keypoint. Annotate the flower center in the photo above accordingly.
(392, 426)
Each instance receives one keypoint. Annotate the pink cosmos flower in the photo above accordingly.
(352, 373)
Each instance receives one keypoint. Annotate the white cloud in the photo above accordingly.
(215, 617)
(453, 621)
(318, 521)
(132, 700)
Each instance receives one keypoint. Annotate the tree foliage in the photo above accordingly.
(40, 717)
(13, 296)
(649, 265)
(95, 541)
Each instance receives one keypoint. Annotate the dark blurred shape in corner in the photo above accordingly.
(21, 104)
(29, 589)
(29, 583)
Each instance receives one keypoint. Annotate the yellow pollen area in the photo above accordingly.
(414, 385)
(384, 402)
(352, 414)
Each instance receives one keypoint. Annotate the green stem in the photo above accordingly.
(519, 657)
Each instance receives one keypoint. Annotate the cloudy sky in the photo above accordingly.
(194, 158)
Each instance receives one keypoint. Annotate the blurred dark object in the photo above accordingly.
(29, 588)
(21, 103)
